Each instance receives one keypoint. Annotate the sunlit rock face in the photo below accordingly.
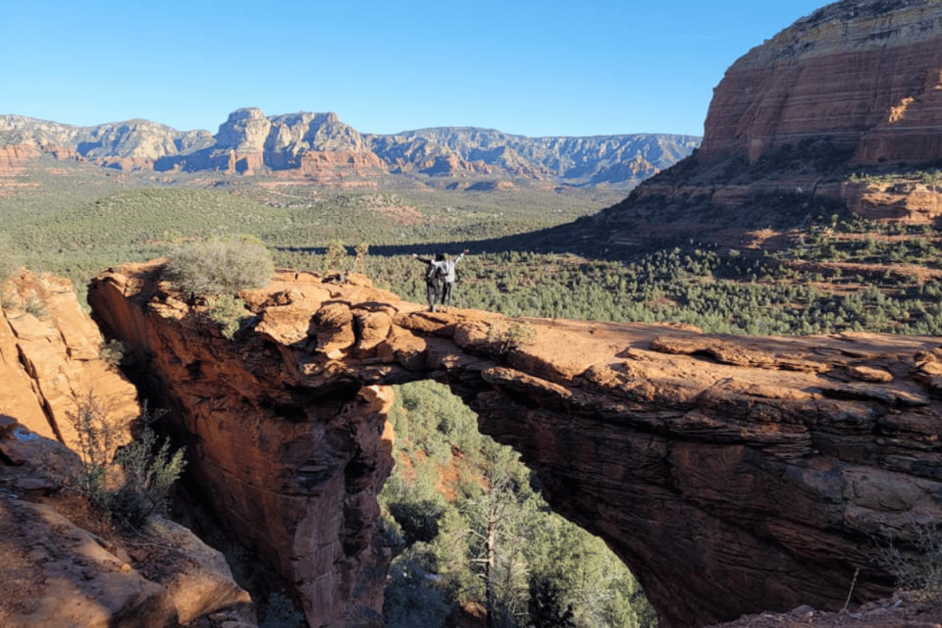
(320, 149)
(51, 361)
(853, 88)
(866, 75)
(731, 474)
(291, 463)
(56, 570)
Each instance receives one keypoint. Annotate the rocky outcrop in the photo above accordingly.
(13, 155)
(904, 201)
(863, 73)
(135, 144)
(732, 474)
(612, 159)
(337, 165)
(51, 360)
(59, 571)
(321, 147)
(852, 88)
(105, 593)
(131, 145)
(293, 469)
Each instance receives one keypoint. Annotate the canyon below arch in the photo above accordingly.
(732, 474)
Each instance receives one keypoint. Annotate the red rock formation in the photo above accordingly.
(57, 573)
(243, 163)
(866, 75)
(13, 155)
(101, 595)
(731, 474)
(854, 87)
(293, 466)
(906, 202)
(327, 166)
(65, 153)
(249, 139)
(51, 362)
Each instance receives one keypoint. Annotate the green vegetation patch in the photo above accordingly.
(470, 527)
(220, 265)
(147, 217)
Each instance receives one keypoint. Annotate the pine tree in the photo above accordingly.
(546, 607)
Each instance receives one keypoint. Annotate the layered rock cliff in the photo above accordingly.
(322, 148)
(866, 75)
(731, 474)
(289, 461)
(853, 88)
(125, 145)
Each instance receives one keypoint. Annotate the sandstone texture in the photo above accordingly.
(853, 88)
(62, 567)
(127, 145)
(866, 74)
(733, 475)
(12, 155)
(290, 460)
(907, 202)
(51, 361)
(59, 569)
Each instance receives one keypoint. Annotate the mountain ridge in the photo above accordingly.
(249, 142)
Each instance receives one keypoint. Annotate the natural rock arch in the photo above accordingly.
(731, 474)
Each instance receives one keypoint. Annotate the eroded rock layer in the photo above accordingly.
(865, 74)
(292, 464)
(57, 571)
(853, 88)
(318, 147)
(731, 474)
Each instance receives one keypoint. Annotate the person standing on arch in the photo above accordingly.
(440, 279)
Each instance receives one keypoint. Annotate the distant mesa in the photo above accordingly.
(319, 146)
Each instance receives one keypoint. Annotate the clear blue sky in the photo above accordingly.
(536, 68)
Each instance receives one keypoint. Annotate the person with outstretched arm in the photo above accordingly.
(440, 279)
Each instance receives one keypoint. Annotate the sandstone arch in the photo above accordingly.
(731, 474)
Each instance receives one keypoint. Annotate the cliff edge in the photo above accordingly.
(866, 75)
(63, 564)
(800, 128)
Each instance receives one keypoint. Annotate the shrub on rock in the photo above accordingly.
(220, 265)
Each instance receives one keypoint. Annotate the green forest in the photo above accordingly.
(473, 536)
(476, 536)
